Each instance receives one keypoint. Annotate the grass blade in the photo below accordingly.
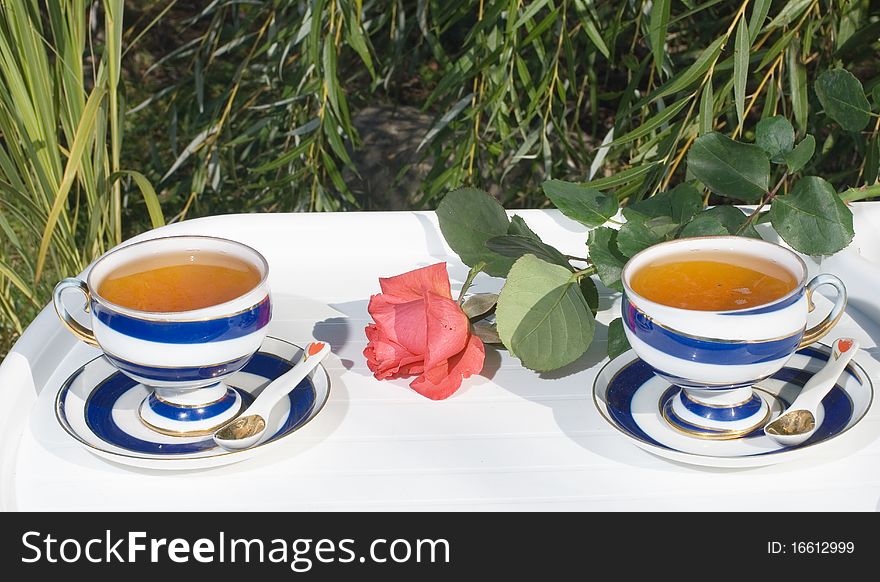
(83, 138)
(154, 209)
(741, 69)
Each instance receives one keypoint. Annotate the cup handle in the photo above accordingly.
(76, 328)
(818, 331)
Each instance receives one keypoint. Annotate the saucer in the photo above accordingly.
(634, 401)
(98, 406)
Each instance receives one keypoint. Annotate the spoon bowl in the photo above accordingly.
(795, 426)
(244, 431)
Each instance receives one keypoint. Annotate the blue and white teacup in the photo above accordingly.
(182, 356)
(716, 357)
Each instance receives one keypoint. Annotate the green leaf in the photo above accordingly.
(732, 218)
(590, 293)
(468, 218)
(789, 12)
(151, 199)
(703, 225)
(694, 72)
(621, 177)
(775, 135)
(519, 226)
(542, 316)
(357, 41)
(637, 235)
(592, 31)
(872, 160)
(760, 9)
(81, 141)
(516, 245)
(741, 68)
(606, 256)
(486, 331)
(681, 203)
(797, 86)
(856, 43)
(13, 278)
(843, 98)
(446, 119)
(730, 168)
(801, 154)
(617, 342)
(586, 205)
(657, 29)
(478, 305)
(707, 109)
(652, 123)
(812, 218)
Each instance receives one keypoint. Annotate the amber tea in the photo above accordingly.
(713, 281)
(180, 281)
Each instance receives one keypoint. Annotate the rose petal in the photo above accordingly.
(414, 284)
(447, 329)
(443, 380)
(388, 359)
(402, 323)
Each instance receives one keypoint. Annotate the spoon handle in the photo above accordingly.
(842, 351)
(313, 353)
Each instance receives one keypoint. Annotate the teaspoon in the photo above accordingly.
(247, 430)
(803, 417)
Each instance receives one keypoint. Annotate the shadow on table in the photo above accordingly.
(571, 403)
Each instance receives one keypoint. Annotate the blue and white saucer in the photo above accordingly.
(98, 406)
(635, 401)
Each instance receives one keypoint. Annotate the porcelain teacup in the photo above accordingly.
(717, 357)
(183, 356)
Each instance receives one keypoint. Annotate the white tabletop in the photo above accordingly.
(510, 439)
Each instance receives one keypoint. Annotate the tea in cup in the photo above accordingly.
(178, 314)
(716, 315)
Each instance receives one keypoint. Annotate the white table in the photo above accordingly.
(510, 439)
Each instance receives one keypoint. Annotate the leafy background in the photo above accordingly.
(258, 106)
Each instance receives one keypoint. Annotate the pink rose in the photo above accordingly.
(420, 331)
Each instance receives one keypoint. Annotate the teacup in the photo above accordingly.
(716, 357)
(183, 356)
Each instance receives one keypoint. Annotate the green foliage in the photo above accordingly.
(586, 205)
(62, 186)
(516, 245)
(812, 218)
(617, 342)
(775, 135)
(468, 218)
(244, 106)
(543, 317)
(640, 232)
(843, 98)
(540, 303)
(266, 105)
(606, 256)
(730, 168)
